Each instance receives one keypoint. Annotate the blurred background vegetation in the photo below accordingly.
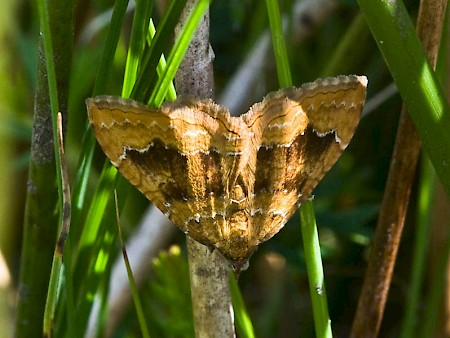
(275, 287)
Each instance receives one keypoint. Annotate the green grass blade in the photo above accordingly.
(94, 250)
(85, 235)
(95, 276)
(88, 146)
(91, 248)
(437, 293)
(177, 53)
(171, 94)
(279, 45)
(147, 76)
(109, 50)
(308, 223)
(421, 242)
(397, 40)
(81, 179)
(137, 44)
(97, 208)
(422, 231)
(244, 324)
(314, 266)
(47, 43)
(345, 56)
(133, 287)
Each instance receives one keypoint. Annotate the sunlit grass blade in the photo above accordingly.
(95, 277)
(85, 236)
(89, 246)
(141, 19)
(93, 250)
(402, 50)
(147, 76)
(88, 146)
(244, 324)
(177, 53)
(162, 64)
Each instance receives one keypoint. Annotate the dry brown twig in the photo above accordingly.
(395, 202)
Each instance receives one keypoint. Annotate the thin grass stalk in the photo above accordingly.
(51, 299)
(41, 220)
(436, 299)
(147, 77)
(52, 295)
(94, 251)
(279, 45)
(133, 287)
(244, 326)
(437, 296)
(171, 93)
(178, 51)
(435, 322)
(101, 81)
(84, 236)
(137, 44)
(89, 242)
(345, 55)
(421, 242)
(108, 53)
(390, 223)
(109, 49)
(314, 266)
(308, 223)
(112, 319)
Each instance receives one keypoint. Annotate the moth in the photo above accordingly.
(231, 183)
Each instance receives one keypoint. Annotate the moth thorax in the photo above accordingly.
(239, 222)
(237, 194)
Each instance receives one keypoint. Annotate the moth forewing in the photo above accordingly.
(231, 182)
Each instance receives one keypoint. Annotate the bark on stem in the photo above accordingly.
(208, 270)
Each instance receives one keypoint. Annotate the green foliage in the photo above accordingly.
(168, 300)
(120, 58)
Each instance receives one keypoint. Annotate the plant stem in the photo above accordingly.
(279, 46)
(210, 290)
(308, 222)
(417, 83)
(41, 216)
(314, 266)
(394, 206)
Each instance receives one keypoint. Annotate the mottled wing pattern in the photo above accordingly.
(182, 157)
(231, 182)
(301, 133)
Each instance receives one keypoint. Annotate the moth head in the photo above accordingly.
(239, 266)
